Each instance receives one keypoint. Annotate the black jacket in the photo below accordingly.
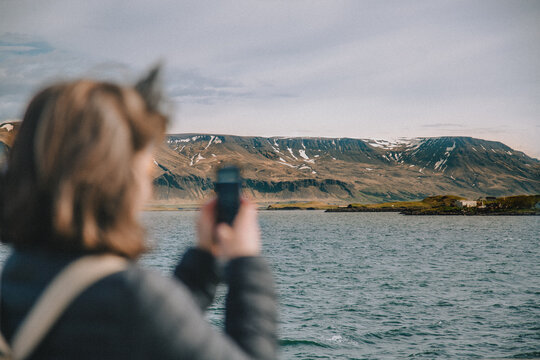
(139, 314)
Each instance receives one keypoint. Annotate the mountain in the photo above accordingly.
(337, 170)
(8, 129)
(344, 169)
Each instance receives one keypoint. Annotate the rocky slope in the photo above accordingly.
(337, 170)
(344, 169)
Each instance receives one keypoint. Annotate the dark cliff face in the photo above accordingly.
(169, 186)
(325, 188)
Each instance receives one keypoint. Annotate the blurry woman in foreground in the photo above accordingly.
(78, 174)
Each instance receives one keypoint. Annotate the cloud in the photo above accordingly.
(443, 125)
(354, 68)
(23, 71)
(28, 63)
(191, 86)
(19, 44)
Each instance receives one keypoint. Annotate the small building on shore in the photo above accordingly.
(466, 203)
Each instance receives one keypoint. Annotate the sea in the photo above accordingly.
(385, 285)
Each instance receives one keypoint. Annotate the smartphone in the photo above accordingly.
(227, 188)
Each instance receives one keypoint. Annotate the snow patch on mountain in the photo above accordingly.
(377, 145)
(394, 156)
(414, 144)
(380, 143)
(290, 150)
(306, 158)
(440, 163)
(195, 159)
(289, 165)
(409, 144)
(210, 142)
(7, 127)
(194, 138)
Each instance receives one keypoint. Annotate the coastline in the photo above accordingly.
(520, 205)
(449, 205)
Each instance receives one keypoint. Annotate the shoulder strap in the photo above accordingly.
(64, 288)
(5, 351)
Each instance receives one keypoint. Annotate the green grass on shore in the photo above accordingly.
(427, 203)
(446, 205)
(309, 205)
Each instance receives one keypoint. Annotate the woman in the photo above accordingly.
(78, 174)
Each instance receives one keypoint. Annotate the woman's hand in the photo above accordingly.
(222, 240)
(205, 228)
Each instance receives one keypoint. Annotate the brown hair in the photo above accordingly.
(70, 183)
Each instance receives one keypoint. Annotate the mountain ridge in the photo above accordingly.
(346, 169)
(280, 168)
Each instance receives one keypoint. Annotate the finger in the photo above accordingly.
(207, 215)
(205, 226)
(224, 234)
(209, 207)
(215, 249)
(248, 197)
(246, 213)
(245, 200)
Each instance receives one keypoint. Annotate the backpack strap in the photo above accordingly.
(5, 351)
(56, 298)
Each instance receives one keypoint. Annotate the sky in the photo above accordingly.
(361, 69)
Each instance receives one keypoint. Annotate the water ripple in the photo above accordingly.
(385, 286)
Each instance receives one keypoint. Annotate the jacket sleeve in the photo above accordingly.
(251, 297)
(174, 326)
(198, 270)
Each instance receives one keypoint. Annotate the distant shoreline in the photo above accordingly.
(449, 205)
